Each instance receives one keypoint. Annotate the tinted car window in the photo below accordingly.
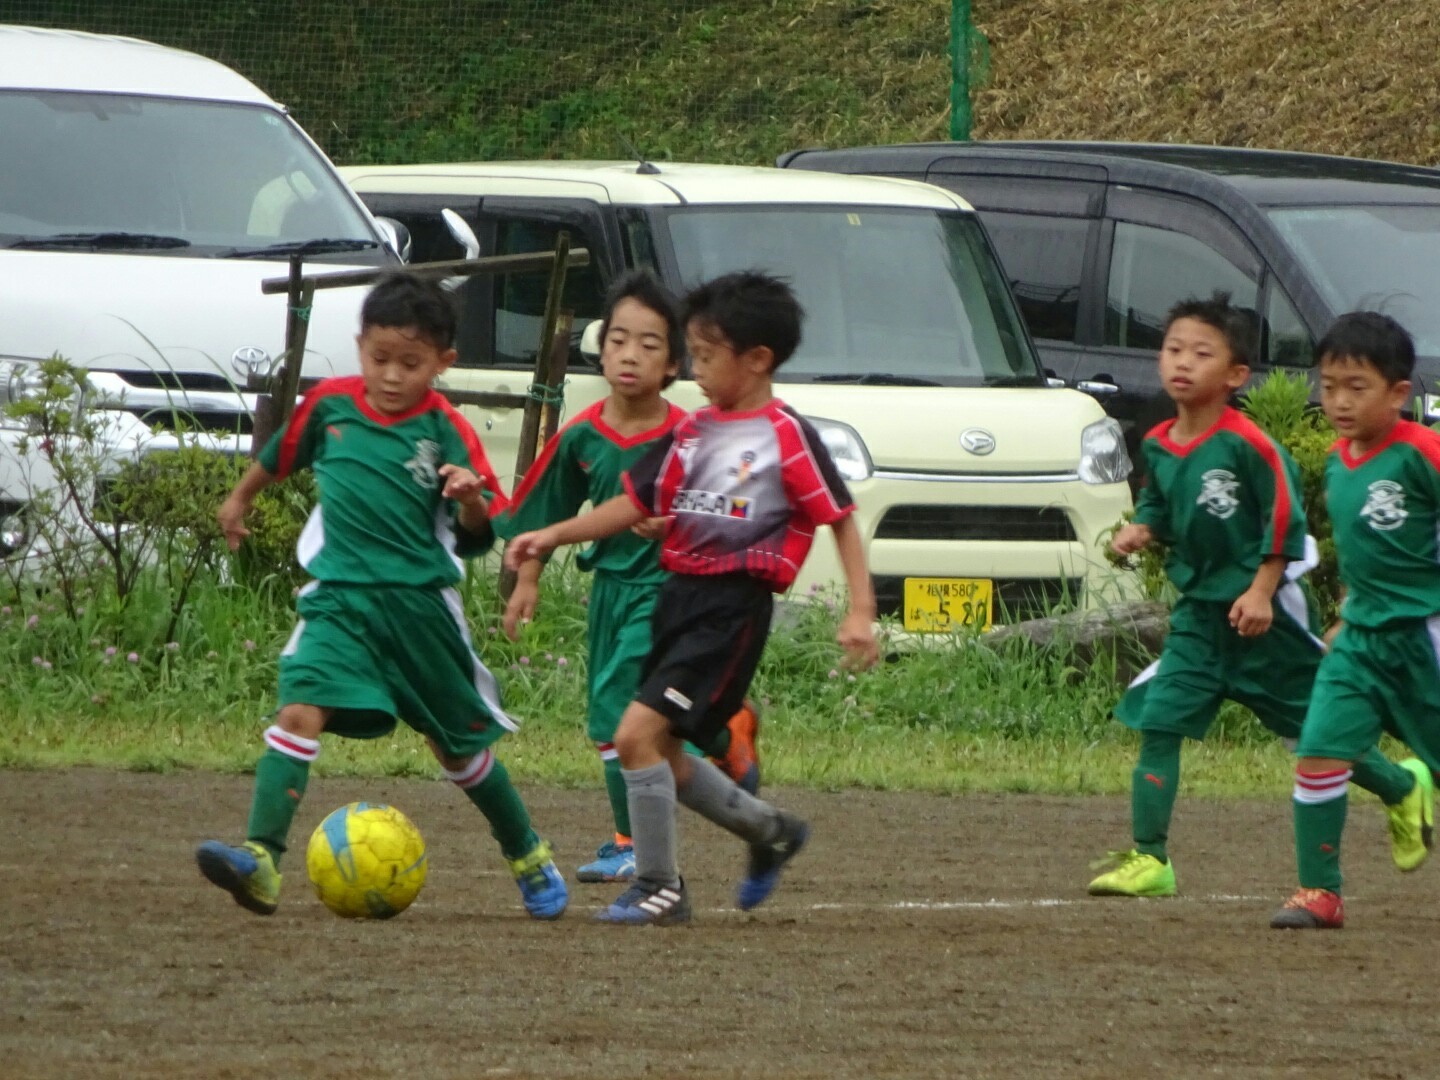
(1151, 270)
(1044, 258)
(520, 298)
(1287, 341)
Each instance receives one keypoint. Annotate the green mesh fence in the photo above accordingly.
(434, 80)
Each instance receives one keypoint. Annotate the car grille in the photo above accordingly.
(1016, 599)
(181, 380)
(975, 523)
(215, 423)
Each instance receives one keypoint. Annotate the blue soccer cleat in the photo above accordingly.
(613, 862)
(644, 904)
(541, 887)
(247, 873)
(767, 860)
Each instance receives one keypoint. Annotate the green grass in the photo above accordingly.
(956, 718)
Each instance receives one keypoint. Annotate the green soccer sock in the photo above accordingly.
(1318, 826)
(619, 799)
(719, 746)
(509, 821)
(1152, 791)
(1378, 774)
(279, 785)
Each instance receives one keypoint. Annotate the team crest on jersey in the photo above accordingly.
(1217, 492)
(711, 502)
(1384, 507)
(422, 467)
(741, 472)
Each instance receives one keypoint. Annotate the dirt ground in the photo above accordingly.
(917, 936)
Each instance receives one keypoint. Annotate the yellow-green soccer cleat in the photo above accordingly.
(246, 872)
(1134, 875)
(1412, 820)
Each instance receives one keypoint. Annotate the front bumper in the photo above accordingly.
(1039, 538)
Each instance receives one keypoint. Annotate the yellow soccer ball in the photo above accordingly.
(366, 861)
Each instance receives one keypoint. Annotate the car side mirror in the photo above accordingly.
(397, 236)
(590, 342)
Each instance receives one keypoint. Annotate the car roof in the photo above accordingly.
(32, 58)
(1264, 177)
(670, 183)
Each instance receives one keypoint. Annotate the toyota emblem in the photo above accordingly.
(250, 360)
(977, 441)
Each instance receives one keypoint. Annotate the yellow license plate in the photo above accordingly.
(940, 604)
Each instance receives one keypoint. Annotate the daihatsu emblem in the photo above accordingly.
(977, 441)
(250, 360)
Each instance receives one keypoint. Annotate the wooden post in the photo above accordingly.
(277, 397)
(554, 338)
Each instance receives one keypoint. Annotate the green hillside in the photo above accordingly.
(742, 80)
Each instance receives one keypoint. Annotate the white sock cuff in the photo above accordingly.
(294, 746)
(607, 751)
(1314, 788)
(473, 773)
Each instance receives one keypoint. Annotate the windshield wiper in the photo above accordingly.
(876, 378)
(1015, 380)
(117, 240)
(299, 247)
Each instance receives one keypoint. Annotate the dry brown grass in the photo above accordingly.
(1354, 77)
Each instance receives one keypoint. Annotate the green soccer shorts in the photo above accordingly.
(375, 654)
(1376, 681)
(618, 618)
(1205, 661)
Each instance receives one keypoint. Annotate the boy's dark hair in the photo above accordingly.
(749, 308)
(404, 300)
(1236, 324)
(1371, 338)
(643, 287)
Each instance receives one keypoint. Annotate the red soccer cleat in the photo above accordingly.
(1310, 909)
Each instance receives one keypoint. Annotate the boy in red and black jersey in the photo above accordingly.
(745, 482)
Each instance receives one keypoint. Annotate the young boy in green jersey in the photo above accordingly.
(1225, 497)
(747, 482)
(642, 343)
(405, 492)
(1382, 674)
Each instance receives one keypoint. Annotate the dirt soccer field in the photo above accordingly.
(917, 936)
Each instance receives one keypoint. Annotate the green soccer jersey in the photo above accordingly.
(380, 519)
(1385, 505)
(584, 462)
(1224, 502)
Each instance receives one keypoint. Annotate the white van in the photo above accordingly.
(980, 488)
(145, 192)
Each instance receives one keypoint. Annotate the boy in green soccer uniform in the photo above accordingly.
(642, 342)
(1382, 674)
(405, 492)
(1225, 498)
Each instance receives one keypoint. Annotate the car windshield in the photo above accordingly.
(907, 297)
(1384, 258)
(116, 172)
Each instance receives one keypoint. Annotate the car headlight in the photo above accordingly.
(18, 380)
(1103, 458)
(846, 448)
(14, 534)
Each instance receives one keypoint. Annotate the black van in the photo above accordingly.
(1100, 239)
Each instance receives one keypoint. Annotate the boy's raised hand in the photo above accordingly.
(1130, 538)
(653, 528)
(530, 545)
(463, 486)
(521, 608)
(231, 516)
(857, 637)
(1252, 614)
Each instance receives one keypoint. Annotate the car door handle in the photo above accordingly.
(1099, 389)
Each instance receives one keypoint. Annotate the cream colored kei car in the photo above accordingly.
(983, 492)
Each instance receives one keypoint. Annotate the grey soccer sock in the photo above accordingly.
(650, 795)
(713, 795)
